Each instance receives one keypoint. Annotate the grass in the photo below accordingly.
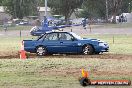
(119, 25)
(57, 72)
(11, 44)
(122, 43)
(63, 72)
(17, 28)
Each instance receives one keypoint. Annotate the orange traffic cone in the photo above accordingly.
(22, 52)
(85, 73)
(84, 80)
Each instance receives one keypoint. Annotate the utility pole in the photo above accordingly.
(45, 8)
(106, 4)
(130, 7)
(14, 10)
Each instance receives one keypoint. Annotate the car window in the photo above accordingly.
(64, 36)
(51, 36)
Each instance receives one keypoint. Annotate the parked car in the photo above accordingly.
(21, 22)
(64, 42)
(24, 23)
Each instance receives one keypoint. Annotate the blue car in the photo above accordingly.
(64, 42)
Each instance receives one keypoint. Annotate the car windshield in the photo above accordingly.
(40, 37)
(76, 36)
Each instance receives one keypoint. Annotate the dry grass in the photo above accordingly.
(60, 72)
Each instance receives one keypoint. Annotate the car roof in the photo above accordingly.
(57, 32)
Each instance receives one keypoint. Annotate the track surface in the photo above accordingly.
(95, 29)
(100, 56)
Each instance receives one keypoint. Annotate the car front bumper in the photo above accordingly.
(102, 47)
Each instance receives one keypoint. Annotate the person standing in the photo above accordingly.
(5, 20)
(84, 23)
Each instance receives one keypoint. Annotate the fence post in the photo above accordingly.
(89, 28)
(71, 30)
(20, 33)
(113, 39)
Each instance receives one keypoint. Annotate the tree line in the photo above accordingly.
(90, 8)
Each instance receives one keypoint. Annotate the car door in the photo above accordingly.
(51, 42)
(66, 44)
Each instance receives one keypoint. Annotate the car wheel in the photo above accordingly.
(41, 51)
(88, 50)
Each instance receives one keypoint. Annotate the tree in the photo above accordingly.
(97, 8)
(64, 7)
(1, 2)
(126, 6)
(20, 8)
(93, 9)
(114, 8)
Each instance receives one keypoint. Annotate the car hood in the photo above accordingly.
(93, 39)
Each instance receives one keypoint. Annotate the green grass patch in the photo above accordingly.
(17, 28)
(58, 72)
(119, 25)
(11, 44)
(120, 44)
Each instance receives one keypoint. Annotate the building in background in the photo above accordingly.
(42, 12)
(125, 18)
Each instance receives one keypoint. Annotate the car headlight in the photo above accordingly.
(101, 44)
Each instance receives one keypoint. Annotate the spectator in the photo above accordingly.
(84, 23)
(5, 20)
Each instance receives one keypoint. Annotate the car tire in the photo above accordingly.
(41, 51)
(88, 50)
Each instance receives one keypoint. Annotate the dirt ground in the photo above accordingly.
(53, 70)
(11, 55)
(75, 71)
